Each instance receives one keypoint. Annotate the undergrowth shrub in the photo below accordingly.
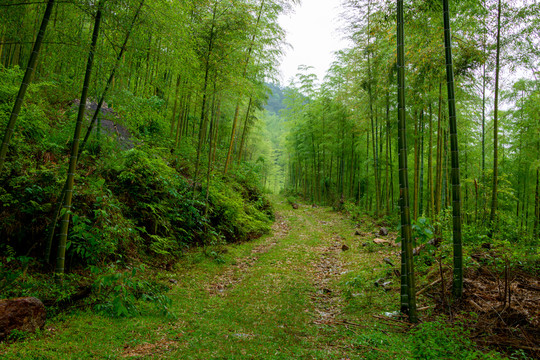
(137, 204)
(123, 293)
(439, 340)
(233, 216)
(159, 200)
(99, 228)
(18, 278)
(143, 116)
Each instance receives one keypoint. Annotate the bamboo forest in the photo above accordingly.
(167, 193)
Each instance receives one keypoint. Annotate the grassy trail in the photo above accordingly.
(303, 292)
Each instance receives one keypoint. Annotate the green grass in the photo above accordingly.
(252, 305)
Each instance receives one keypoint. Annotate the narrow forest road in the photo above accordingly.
(304, 292)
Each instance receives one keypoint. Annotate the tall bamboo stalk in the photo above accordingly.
(60, 259)
(408, 291)
(457, 285)
(52, 226)
(496, 127)
(228, 159)
(27, 79)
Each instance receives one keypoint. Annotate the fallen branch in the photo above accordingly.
(427, 287)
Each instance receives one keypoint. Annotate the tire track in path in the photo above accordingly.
(224, 282)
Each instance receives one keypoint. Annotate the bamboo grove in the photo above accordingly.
(199, 65)
(343, 133)
(343, 147)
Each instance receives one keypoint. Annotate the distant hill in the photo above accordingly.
(275, 99)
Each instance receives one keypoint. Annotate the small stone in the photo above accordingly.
(383, 231)
(23, 314)
(344, 247)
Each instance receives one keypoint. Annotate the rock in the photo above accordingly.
(383, 231)
(383, 241)
(294, 206)
(23, 314)
(344, 247)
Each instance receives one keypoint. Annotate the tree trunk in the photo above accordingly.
(89, 131)
(408, 291)
(537, 205)
(204, 116)
(245, 131)
(27, 79)
(387, 178)
(228, 160)
(457, 285)
(60, 259)
(430, 164)
(416, 167)
(438, 173)
(495, 128)
(421, 186)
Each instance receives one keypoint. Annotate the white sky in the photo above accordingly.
(312, 30)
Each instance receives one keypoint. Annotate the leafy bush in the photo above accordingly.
(158, 198)
(119, 294)
(438, 340)
(143, 116)
(235, 217)
(16, 280)
(422, 230)
(354, 211)
(99, 228)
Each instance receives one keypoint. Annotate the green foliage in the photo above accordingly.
(143, 116)
(120, 293)
(160, 200)
(362, 289)
(422, 230)
(355, 212)
(239, 211)
(11, 269)
(18, 278)
(10, 79)
(438, 340)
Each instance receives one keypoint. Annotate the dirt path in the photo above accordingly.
(304, 292)
(283, 298)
